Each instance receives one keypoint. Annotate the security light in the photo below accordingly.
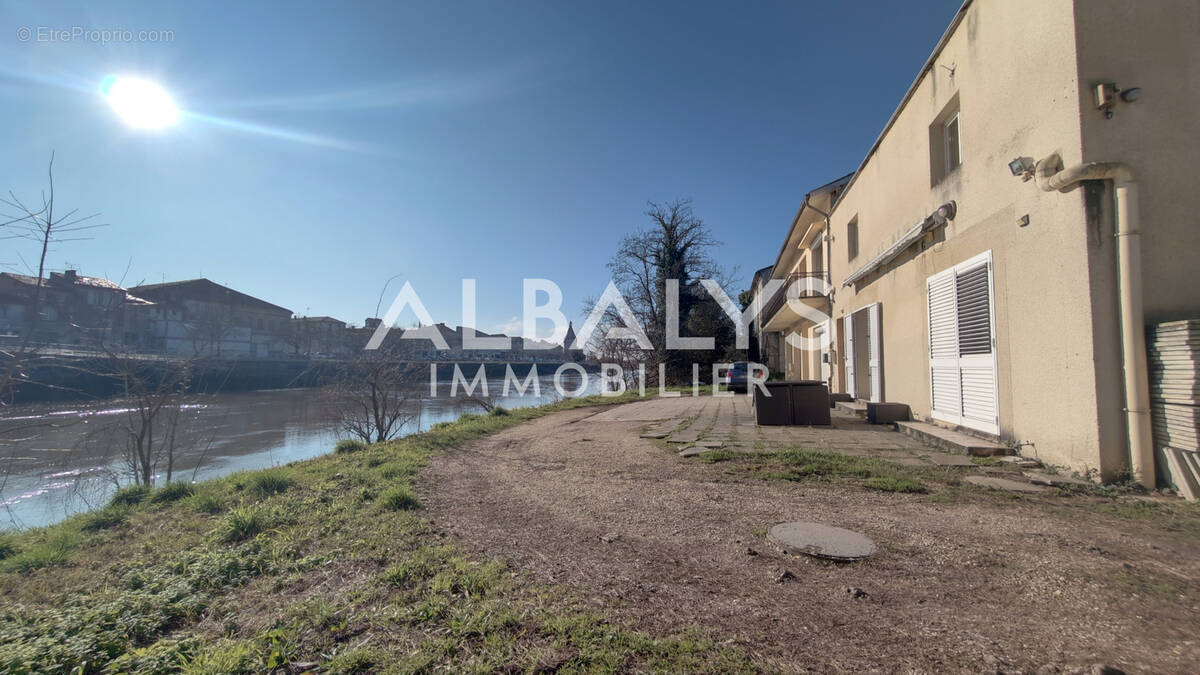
(1131, 94)
(1021, 166)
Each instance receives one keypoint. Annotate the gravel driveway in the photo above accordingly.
(579, 499)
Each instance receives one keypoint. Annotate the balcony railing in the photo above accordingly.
(796, 286)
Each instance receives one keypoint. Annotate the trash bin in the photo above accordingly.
(775, 408)
(810, 402)
(797, 402)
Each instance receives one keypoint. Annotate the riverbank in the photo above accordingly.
(557, 538)
(58, 460)
(326, 562)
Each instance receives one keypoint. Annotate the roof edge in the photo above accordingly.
(912, 88)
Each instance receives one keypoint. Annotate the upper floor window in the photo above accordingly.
(945, 142)
(852, 239)
(953, 146)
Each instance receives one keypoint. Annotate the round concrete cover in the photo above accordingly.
(821, 541)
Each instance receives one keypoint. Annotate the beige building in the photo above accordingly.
(990, 298)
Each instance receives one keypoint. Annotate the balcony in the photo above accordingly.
(809, 288)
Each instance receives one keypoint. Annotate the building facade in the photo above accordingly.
(201, 317)
(976, 269)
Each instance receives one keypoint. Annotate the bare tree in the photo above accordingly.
(42, 226)
(374, 396)
(147, 431)
(677, 246)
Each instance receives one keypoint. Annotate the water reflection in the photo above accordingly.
(59, 460)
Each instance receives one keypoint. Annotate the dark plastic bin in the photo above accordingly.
(803, 402)
(810, 402)
(775, 409)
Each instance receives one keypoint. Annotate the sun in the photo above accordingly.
(141, 104)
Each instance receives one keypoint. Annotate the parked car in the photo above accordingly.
(739, 374)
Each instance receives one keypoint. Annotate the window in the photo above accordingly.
(953, 148)
(852, 239)
(945, 142)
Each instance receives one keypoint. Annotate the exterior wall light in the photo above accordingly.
(1023, 167)
(1107, 94)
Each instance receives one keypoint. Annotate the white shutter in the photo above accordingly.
(945, 385)
(875, 353)
(973, 290)
(962, 359)
(848, 353)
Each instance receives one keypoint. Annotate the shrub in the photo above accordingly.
(240, 523)
(207, 502)
(130, 496)
(348, 445)
(400, 499)
(173, 492)
(270, 482)
(225, 657)
(54, 550)
(499, 411)
(109, 516)
(8, 545)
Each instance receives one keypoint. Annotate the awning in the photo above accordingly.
(931, 222)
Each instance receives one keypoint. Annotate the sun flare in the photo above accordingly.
(142, 104)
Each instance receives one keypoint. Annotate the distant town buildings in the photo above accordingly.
(199, 317)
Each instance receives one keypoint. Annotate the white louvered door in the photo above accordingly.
(962, 354)
(848, 353)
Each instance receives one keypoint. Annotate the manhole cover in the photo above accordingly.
(821, 541)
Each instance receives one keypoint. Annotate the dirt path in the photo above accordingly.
(666, 543)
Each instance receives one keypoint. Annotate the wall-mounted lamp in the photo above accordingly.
(1106, 96)
(1131, 94)
(1023, 167)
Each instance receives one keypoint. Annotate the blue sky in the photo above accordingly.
(327, 147)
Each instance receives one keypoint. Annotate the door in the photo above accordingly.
(848, 353)
(962, 354)
(864, 353)
(875, 352)
(824, 366)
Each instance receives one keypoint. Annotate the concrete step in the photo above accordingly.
(950, 440)
(857, 408)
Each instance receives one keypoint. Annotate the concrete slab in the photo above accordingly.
(1005, 484)
(1023, 462)
(684, 437)
(950, 440)
(946, 459)
(1042, 478)
(821, 541)
(692, 451)
(709, 443)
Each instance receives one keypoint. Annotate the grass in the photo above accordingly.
(206, 502)
(803, 464)
(400, 499)
(173, 492)
(265, 570)
(110, 516)
(349, 445)
(894, 484)
(130, 496)
(242, 522)
(270, 482)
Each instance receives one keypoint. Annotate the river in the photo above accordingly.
(58, 460)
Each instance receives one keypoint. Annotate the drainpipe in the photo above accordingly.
(1052, 176)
